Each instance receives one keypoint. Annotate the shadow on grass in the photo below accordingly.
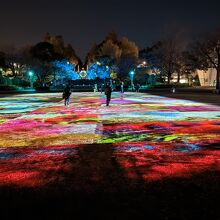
(97, 188)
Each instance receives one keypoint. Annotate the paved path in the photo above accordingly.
(195, 95)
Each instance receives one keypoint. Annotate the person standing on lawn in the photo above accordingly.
(122, 90)
(108, 92)
(66, 95)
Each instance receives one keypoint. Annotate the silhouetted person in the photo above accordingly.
(173, 90)
(95, 88)
(108, 92)
(122, 90)
(137, 88)
(101, 87)
(66, 95)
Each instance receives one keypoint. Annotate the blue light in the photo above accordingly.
(30, 73)
(96, 70)
(64, 69)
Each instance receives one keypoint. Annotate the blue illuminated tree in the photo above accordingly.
(64, 70)
(92, 71)
(98, 71)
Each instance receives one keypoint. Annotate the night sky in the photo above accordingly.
(82, 23)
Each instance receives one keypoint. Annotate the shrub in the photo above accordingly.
(8, 88)
(42, 89)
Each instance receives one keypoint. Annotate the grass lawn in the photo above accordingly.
(143, 157)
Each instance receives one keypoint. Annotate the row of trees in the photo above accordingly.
(175, 54)
(116, 58)
(49, 59)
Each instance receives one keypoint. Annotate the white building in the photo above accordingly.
(207, 78)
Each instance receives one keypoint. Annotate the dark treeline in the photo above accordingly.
(52, 60)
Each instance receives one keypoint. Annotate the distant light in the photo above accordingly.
(132, 72)
(68, 62)
(30, 73)
(98, 63)
(144, 62)
(183, 81)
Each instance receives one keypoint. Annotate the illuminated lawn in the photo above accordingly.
(147, 137)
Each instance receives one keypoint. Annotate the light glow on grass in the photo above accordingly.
(152, 137)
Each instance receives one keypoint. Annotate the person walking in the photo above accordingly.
(101, 87)
(138, 87)
(122, 90)
(95, 88)
(66, 95)
(108, 92)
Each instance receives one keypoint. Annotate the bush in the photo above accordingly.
(24, 84)
(118, 87)
(86, 88)
(181, 85)
(9, 88)
(168, 86)
(42, 89)
(162, 86)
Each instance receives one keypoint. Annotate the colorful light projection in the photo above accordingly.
(152, 137)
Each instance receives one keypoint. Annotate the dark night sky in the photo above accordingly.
(83, 23)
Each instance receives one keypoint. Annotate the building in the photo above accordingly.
(208, 77)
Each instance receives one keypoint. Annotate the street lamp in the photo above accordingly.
(132, 80)
(30, 73)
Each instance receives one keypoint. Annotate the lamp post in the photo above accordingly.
(132, 80)
(30, 73)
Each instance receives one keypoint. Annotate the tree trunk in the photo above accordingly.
(217, 77)
(169, 77)
(178, 77)
(218, 73)
(190, 81)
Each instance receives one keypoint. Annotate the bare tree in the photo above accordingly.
(207, 51)
(165, 55)
(17, 61)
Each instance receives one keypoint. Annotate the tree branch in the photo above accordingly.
(210, 59)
